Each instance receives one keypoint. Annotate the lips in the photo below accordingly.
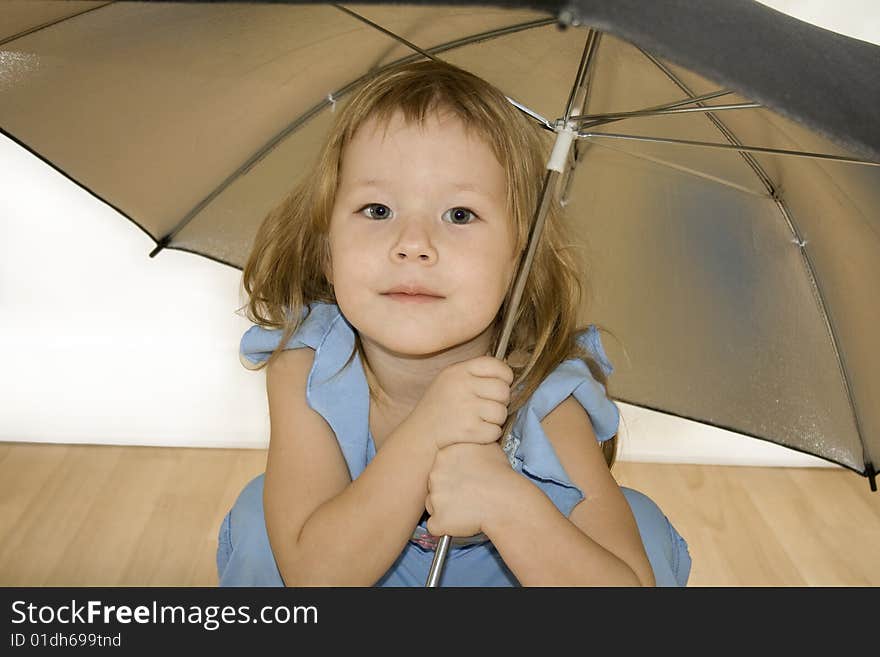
(413, 290)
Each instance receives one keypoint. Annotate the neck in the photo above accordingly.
(401, 380)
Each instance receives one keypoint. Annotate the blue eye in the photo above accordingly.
(376, 211)
(459, 216)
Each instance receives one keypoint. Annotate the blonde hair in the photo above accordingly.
(285, 270)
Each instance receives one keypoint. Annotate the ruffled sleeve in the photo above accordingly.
(528, 447)
(336, 392)
(258, 343)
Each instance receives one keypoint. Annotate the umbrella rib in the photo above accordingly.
(678, 103)
(409, 44)
(683, 169)
(530, 112)
(668, 108)
(602, 119)
(586, 67)
(807, 261)
(376, 26)
(331, 99)
(52, 22)
(734, 147)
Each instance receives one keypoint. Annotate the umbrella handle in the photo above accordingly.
(439, 560)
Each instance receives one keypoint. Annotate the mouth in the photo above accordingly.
(412, 298)
(412, 293)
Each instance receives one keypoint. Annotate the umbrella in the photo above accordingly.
(719, 167)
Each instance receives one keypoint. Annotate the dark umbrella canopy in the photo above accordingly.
(739, 288)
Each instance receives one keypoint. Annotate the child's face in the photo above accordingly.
(424, 206)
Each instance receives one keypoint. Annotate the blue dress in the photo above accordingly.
(244, 556)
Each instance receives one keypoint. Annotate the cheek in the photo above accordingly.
(355, 273)
(500, 270)
(344, 254)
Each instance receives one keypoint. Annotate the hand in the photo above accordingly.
(464, 487)
(465, 403)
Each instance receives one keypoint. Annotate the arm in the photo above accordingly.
(599, 545)
(325, 529)
(472, 487)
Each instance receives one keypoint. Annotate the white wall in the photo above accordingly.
(101, 344)
(859, 19)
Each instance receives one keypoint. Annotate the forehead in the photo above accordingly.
(441, 141)
(438, 154)
(378, 126)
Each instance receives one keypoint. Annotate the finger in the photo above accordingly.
(492, 390)
(493, 412)
(489, 433)
(491, 367)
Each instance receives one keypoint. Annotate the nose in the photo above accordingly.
(414, 244)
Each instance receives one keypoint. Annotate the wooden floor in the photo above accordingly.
(82, 515)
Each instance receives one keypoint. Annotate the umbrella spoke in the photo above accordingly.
(568, 176)
(396, 37)
(602, 119)
(585, 119)
(792, 226)
(678, 167)
(450, 45)
(331, 100)
(578, 99)
(37, 28)
(733, 147)
(530, 112)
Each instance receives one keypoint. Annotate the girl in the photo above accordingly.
(378, 287)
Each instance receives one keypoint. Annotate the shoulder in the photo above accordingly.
(259, 343)
(294, 425)
(603, 513)
(305, 466)
(567, 416)
(569, 429)
(572, 383)
(291, 365)
(287, 379)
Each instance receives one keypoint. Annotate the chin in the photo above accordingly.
(413, 334)
(414, 345)
(413, 341)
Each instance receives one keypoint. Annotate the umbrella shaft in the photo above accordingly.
(550, 179)
(558, 164)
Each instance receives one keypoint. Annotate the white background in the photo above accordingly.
(102, 344)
